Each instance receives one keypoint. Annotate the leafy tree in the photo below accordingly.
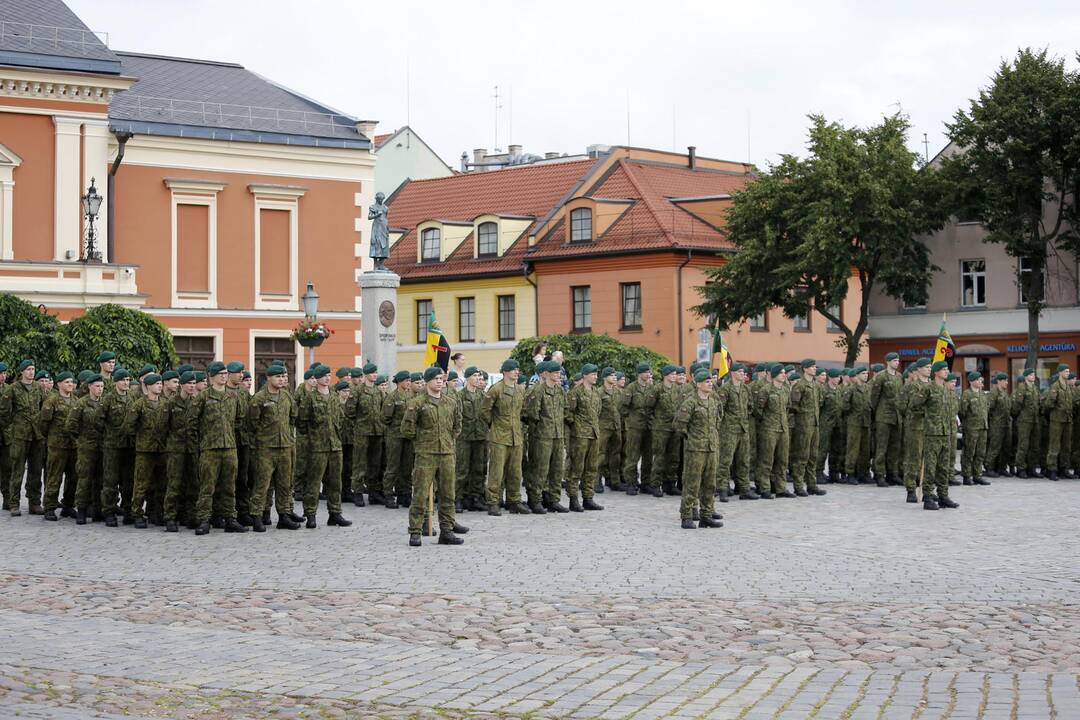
(136, 338)
(855, 205)
(601, 350)
(1017, 166)
(27, 332)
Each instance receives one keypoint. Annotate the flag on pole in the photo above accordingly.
(438, 349)
(945, 349)
(719, 346)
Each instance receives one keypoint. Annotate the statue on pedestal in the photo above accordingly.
(380, 231)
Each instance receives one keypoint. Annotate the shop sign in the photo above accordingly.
(915, 352)
(1049, 347)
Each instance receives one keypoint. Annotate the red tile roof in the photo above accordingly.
(378, 140)
(653, 221)
(530, 191)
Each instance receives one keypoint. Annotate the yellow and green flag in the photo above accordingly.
(719, 346)
(438, 349)
(945, 349)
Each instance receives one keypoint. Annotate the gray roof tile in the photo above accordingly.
(46, 33)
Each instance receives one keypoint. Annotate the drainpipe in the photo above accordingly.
(536, 298)
(110, 243)
(678, 280)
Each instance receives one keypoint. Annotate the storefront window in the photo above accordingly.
(1044, 368)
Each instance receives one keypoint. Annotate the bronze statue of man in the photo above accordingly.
(380, 231)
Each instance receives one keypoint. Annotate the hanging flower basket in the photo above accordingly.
(310, 333)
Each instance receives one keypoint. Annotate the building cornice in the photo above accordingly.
(61, 86)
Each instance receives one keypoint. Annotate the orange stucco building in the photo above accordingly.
(224, 193)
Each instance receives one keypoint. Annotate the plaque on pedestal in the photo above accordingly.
(378, 309)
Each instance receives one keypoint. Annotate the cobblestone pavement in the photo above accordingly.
(855, 605)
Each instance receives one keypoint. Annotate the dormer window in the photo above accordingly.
(581, 225)
(487, 240)
(430, 241)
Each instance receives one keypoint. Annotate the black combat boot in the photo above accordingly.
(447, 537)
(689, 524)
(110, 521)
(749, 495)
(519, 508)
(266, 517)
(80, 516)
(767, 495)
(657, 492)
(284, 522)
(817, 491)
(591, 504)
(459, 506)
(245, 519)
(980, 481)
(695, 515)
(851, 479)
(358, 499)
(785, 494)
(947, 502)
(218, 523)
(311, 524)
(203, 529)
(722, 495)
(911, 497)
(414, 540)
(967, 480)
(537, 508)
(929, 503)
(257, 524)
(391, 502)
(140, 523)
(459, 528)
(494, 510)
(232, 526)
(801, 493)
(1020, 473)
(375, 498)
(632, 489)
(1052, 475)
(171, 526)
(338, 519)
(991, 473)
(575, 505)
(599, 487)
(557, 507)
(880, 481)
(49, 515)
(709, 523)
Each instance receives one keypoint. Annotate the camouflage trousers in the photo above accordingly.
(609, 464)
(857, 455)
(887, 460)
(698, 484)
(1059, 444)
(544, 477)
(397, 478)
(773, 458)
(217, 475)
(938, 467)
(830, 448)
(504, 473)
(118, 479)
(25, 456)
(804, 450)
(665, 458)
(470, 465)
(5, 471)
(88, 470)
(181, 489)
(997, 447)
(150, 471)
(323, 472)
(637, 446)
(1027, 444)
(61, 467)
(433, 475)
(367, 451)
(301, 452)
(273, 471)
(914, 442)
(584, 466)
(734, 459)
(974, 455)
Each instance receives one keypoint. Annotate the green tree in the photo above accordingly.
(855, 205)
(27, 332)
(1016, 166)
(601, 350)
(136, 338)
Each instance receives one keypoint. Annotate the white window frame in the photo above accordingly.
(486, 223)
(974, 275)
(195, 192)
(438, 248)
(591, 226)
(278, 197)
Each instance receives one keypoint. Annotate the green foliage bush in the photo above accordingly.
(601, 350)
(26, 332)
(136, 338)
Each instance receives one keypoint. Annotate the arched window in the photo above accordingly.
(430, 241)
(581, 225)
(487, 239)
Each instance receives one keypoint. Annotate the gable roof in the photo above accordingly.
(182, 97)
(47, 34)
(653, 220)
(382, 141)
(531, 191)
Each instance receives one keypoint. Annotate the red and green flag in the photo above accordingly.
(438, 349)
(945, 349)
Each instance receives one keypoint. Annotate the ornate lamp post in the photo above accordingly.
(311, 311)
(91, 205)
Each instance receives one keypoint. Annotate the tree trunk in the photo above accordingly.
(1034, 306)
(854, 340)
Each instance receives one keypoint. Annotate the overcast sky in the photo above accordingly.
(736, 79)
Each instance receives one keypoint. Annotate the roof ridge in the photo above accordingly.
(501, 172)
(200, 61)
(670, 235)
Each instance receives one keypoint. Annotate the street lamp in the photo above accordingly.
(91, 205)
(311, 310)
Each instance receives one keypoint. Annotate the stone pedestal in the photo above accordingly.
(378, 311)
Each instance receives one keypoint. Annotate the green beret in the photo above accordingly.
(452, 375)
(680, 369)
(776, 370)
(860, 369)
(401, 376)
(343, 371)
(278, 361)
(588, 369)
(275, 370)
(1061, 367)
(642, 367)
(370, 368)
(40, 374)
(577, 377)
(25, 364)
(320, 371)
(789, 368)
(215, 367)
(169, 375)
(1027, 371)
(508, 365)
(695, 365)
(314, 365)
(668, 370)
(62, 376)
(119, 374)
(188, 377)
(807, 362)
(952, 377)
(922, 362)
(83, 374)
(95, 377)
(834, 372)
(877, 367)
(619, 375)
(105, 356)
(356, 371)
(200, 376)
(342, 385)
(607, 371)
(905, 371)
(147, 369)
(380, 379)
(151, 378)
(469, 371)
(760, 367)
(185, 367)
(235, 366)
(4, 367)
(889, 357)
(308, 374)
(415, 377)
(431, 373)
(974, 375)
(737, 367)
(998, 377)
(793, 376)
(246, 375)
(702, 375)
(939, 366)
(820, 372)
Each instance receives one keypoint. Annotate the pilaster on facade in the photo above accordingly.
(95, 167)
(67, 218)
(8, 162)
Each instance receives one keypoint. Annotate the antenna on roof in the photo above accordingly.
(510, 133)
(408, 104)
(627, 116)
(673, 145)
(498, 107)
(748, 136)
(926, 147)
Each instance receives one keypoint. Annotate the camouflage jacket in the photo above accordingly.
(272, 417)
(583, 411)
(86, 423)
(432, 424)
(545, 409)
(502, 413)
(699, 421)
(148, 422)
(321, 415)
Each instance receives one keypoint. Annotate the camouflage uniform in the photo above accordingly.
(181, 457)
(663, 404)
(432, 424)
(365, 409)
(806, 408)
(997, 444)
(52, 425)
(471, 450)
(243, 451)
(940, 423)
(1025, 408)
(583, 418)
(884, 391)
(829, 432)
(637, 437)
(973, 414)
(1059, 443)
(272, 417)
(609, 449)
(86, 423)
(322, 415)
(21, 405)
(148, 422)
(215, 419)
(397, 478)
(857, 410)
(545, 409)
(502, 414)
(772, 413)
(734, 457)
(118, 466)
(699, 420)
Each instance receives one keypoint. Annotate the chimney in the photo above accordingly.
(464, 161)
(479, 154)
(367, 128)
(691, 154)
(515, 151)
(550, 155)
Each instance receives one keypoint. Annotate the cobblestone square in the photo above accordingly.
(853, 605)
